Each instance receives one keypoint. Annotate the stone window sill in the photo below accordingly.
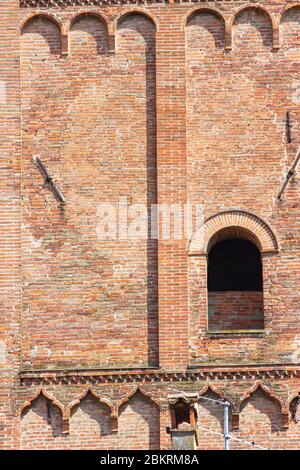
(235, 333)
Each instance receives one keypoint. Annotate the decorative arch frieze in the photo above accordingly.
(105, 401)
(209, 387)
(34, 15)
(271, 17)
(52, 18)
(138, 11)
(148, 396)
(272, 396)
(195, 10)
(40, 392)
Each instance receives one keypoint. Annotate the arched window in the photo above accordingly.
(182, 412)
(235, 285)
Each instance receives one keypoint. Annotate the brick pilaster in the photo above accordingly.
(171, 175)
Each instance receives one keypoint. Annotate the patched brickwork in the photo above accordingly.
(103, 138)
(235, 310)
(152, 103)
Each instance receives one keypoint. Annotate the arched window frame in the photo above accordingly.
(248, 226)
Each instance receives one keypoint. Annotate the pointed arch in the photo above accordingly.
(266, 390)
(259, 386)
(41, 392)
(83, 395)
(210, 388)
(139, 410)
(135, 391)
(261, 233)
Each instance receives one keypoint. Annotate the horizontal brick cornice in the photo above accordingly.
(98, 376)
(70, 3)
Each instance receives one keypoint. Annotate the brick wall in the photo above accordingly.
(90, 425)
(235, 310)
(91, 118)
(166, 103)
(10, 278)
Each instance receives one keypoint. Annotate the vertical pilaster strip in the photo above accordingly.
(171, 177)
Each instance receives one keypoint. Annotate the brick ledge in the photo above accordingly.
(193, 373)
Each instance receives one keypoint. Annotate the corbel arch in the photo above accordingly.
(251, 6)
(34, 15)
(132, 393)
(272, 395)
(81, 14)
(138, 11)
(90, 391)
(193, 11)
(242, 222)
(41, 392)
(271, 17)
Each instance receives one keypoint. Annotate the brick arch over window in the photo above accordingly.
(237, 222)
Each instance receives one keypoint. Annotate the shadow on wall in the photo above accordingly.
(140, 34)
(41, 419)
(90, 425)
(45, 34)
(251, 27)
(90, 417)
(208, 29)
(88, 36)
(139, 424)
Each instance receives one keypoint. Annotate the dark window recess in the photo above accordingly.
(182, 413)
(234, 265)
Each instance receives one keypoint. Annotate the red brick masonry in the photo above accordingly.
(165, 102)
